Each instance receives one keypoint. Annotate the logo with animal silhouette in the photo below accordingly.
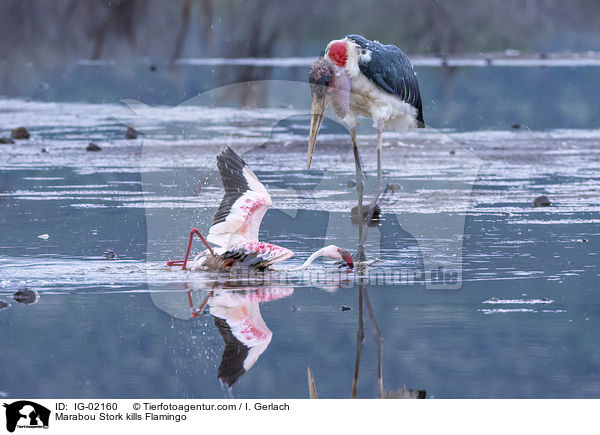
(26, 414)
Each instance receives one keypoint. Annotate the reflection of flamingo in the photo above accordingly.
(236, 223)
(237, 317)
(246, 336)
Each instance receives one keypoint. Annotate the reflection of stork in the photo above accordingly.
(362, 77)
(236, 224)
(402, 393)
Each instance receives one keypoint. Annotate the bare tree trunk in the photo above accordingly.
(183, 30)
(207, 15)
(101, 35)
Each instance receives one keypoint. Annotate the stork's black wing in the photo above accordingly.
(390, 69)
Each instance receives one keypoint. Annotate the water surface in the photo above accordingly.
(523, 321)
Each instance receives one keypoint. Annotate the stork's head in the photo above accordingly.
(329, 81)
(343, 257)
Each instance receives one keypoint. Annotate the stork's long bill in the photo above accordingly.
(319, 104)
(321, 78)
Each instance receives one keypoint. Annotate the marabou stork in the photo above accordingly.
(236, 223)
(367, 78)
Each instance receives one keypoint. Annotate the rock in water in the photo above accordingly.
(392, 188)
(26, 296)
(374, 221)
(20, 133)
(6, 140)
(4, 304)
(542, 201)
(405, 393)
(93, 147)
(131, 133)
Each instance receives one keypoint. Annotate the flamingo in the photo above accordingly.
(236, 224)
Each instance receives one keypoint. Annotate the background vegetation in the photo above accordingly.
(51, 31)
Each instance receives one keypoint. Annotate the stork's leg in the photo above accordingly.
(360, 253)
(360, 339)
(379, 132)
(377, 192)
(379, 342)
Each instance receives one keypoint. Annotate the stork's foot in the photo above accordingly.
(362, 265)
(360, 256)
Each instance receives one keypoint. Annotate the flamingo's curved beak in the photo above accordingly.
(347, 257)
(317, 110)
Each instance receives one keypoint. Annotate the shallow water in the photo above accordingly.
(521, 318)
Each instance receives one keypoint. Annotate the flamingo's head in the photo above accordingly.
(343, 257)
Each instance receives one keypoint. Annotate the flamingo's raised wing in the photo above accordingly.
(242, 208)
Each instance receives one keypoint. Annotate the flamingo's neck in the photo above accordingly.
(312, 258)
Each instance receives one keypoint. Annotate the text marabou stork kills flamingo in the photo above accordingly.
(236, 223)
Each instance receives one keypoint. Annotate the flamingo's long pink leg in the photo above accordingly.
(183, 263)
(195, 311)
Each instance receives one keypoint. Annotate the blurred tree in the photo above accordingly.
(43, 31)
(120, 17)
(183, 30)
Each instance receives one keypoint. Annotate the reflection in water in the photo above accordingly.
(90, 206)
(246, 336)
(360, 340)
(236, 315)
(363, 298)
(401, 393)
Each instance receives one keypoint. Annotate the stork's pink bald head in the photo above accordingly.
(338, 54)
